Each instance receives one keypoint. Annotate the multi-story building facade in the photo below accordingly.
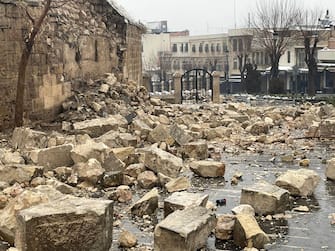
(227, 53)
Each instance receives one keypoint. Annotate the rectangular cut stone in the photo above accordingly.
(247, 232)
(327, 128)
(69, 223)
(183, 200)
(301, 182)
(265, 198)
(197, 150)
(163, 162)
(53, 157)
(185, 230)
(97, 127)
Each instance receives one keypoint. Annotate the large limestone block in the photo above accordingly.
(300, 182)
(142, 127)
(97, 127)
(53, 157)
(163, 162)
(330, 170)
(19, 173)
(180, 135)
(327, 128)
(225, 227)
(184, 230)
(27, 139)
(160, 134)
(258, 128)
(183, 200)
(265, 198)
(12, 158)
(196, 150)
(69, 223)
(147, 204)
(26, 199)
(90, 171)
(178, 184)
(209, 169)
(90, 150)
(247, 232)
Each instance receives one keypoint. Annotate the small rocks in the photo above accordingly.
(127, 239)
(147, 179)
(225, 227)
(330, 169)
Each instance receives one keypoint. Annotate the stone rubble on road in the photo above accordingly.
(114, 146)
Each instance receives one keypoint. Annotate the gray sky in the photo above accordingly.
(201, 17)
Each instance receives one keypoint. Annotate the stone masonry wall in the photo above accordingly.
(80, 40)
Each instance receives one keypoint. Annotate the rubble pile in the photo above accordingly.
(122, 156)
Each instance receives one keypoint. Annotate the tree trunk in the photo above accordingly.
(312, 74)
(28, 46)
(274, 72)
(20, 89)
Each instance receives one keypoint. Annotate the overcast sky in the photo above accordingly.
(201, 17)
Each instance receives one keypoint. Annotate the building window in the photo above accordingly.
(266, 59)
(193, 48)
(174, 48)
(234, 45)
(206, 48)
(240, 45)
(262, 58)
(218, 47)
(288, 57)
(212, 48)
(257, 58)
(200, 48)
(224, 47)
(186, 47)
(182, 48)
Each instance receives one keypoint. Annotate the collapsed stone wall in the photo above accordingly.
(81, 39)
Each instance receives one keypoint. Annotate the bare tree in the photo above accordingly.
(308, 25)
(272, 22)
(29, 41)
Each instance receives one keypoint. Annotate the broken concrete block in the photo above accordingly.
(300, 182)
(134, 170)
(265, 198)
(19, 173)
(8, 215)
(244, 209)
(147, 205)
(142, 127)
(160, 134)
(178, 184)
(122, 153)
(97, 127)
(127, 239)
(52, 157)
(327, 128)
(258, 128)
(163, 162)
(180, 135)
(196, 150)
(90, 171)
(182, 200)
(90, 150)
(112, 179)
(147, 180)
(247, 232)
(330, 169)
(225, 227)
(27, 139)
(184, 230)
(123, 194)
(69, 223)
(209, 169)
(12, 158)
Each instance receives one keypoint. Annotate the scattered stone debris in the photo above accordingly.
(114, 145)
